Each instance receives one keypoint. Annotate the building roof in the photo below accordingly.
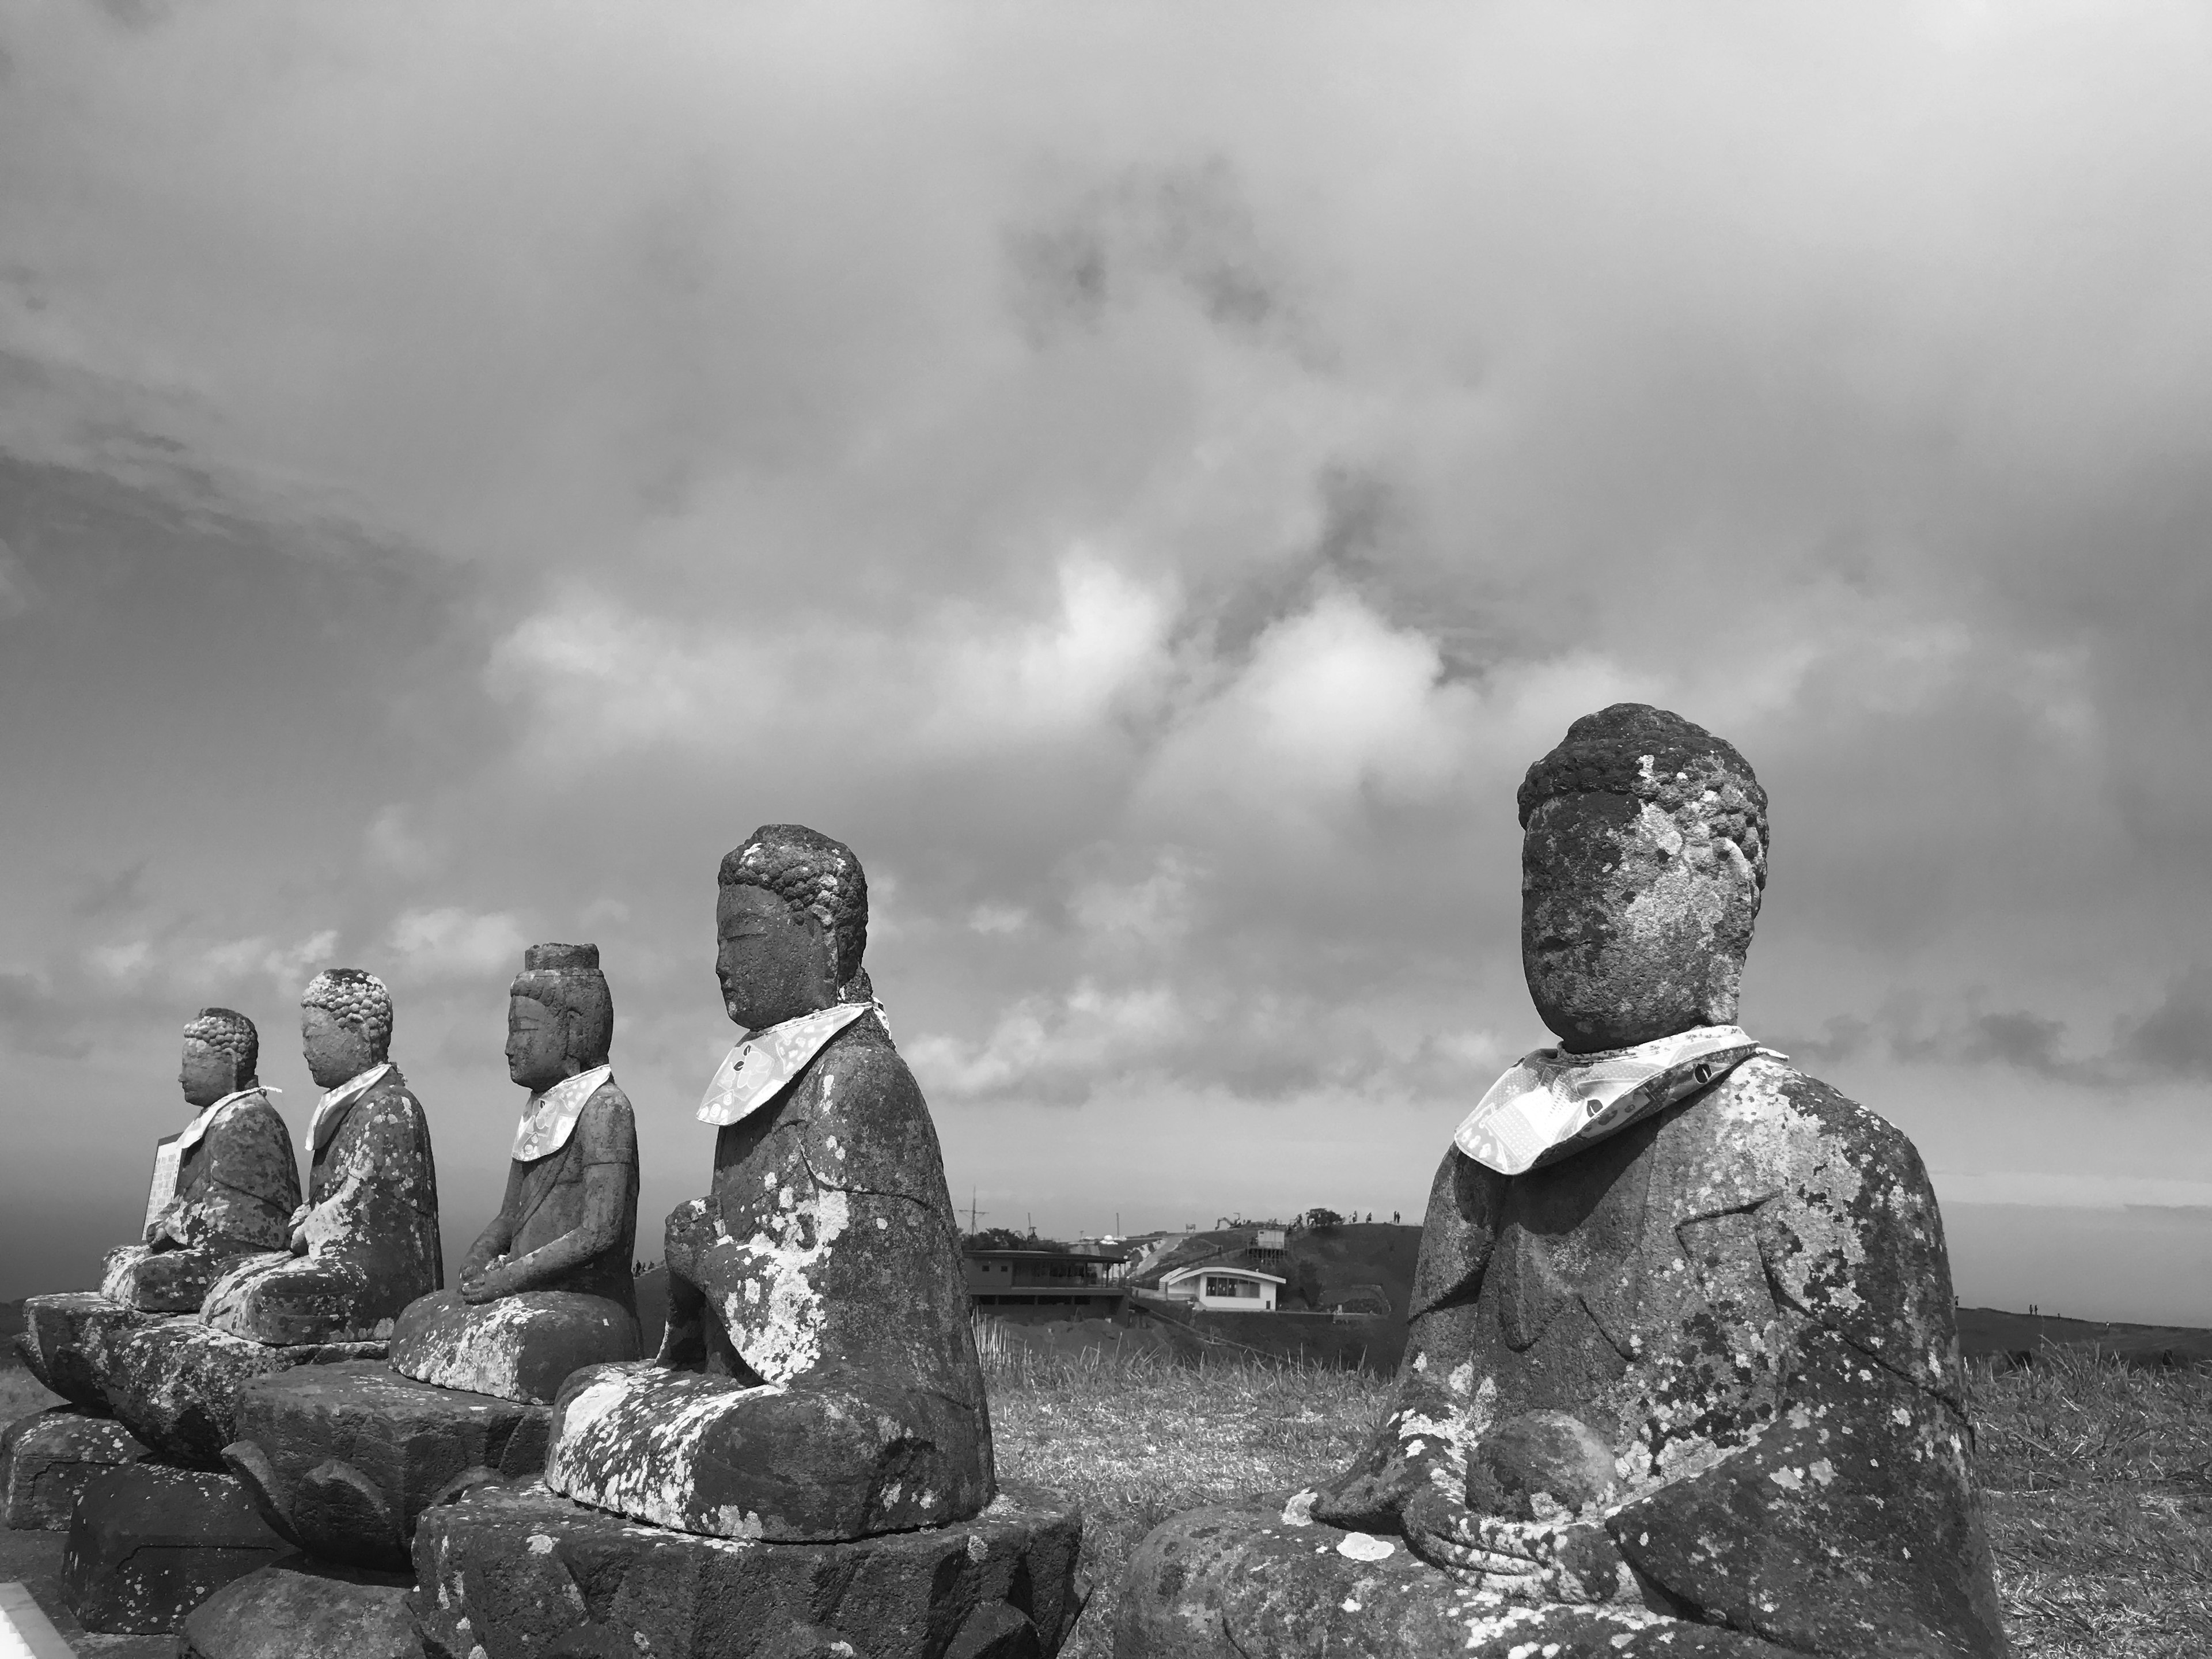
(1217, 1270)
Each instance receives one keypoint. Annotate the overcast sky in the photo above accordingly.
(1151, 480)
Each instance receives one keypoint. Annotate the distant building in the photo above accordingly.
(1062, 1284)
(1221, 1289)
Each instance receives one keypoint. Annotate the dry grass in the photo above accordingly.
(2098, 1478)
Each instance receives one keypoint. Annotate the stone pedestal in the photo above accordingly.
(175, 1383)
(300, 1605)
(47, 1458)
(517, 1572)
(63, 1339)
(148, 1545)
(343, 1458)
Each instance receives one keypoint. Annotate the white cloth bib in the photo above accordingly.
(342, 1097)
(549, 1119)
(752, 1073)
(169, 1152)
(1553, 1103)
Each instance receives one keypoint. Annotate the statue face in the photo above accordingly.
(537, 1045)
(334, 1052)
(207, 1073)
(1630, 929)
(773, 966)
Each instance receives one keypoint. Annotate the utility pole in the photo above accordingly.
(972, 1211)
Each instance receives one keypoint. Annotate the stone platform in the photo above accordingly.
(175, 1383)
(341, 1459)
(63, 1339)
(148, 1545)
(519, 1347)
(301, 1606)
(47, 1458)
(518, 1573)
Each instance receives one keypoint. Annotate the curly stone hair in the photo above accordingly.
(814, 876)
(566, 979)
(1654, 755)
(227, 1030)
(356, 999)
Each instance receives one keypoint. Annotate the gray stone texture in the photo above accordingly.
(826, 1261)
(149, 1544)
(237, 1187)
(299, 1606)
(175, 1383)
(522, 1572)
(520, 1347)
(343, 1459)
(372, 1234)
(61, 1340)
(47, 1459)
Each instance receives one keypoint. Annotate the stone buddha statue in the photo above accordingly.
(225, 1186)
(365, 1245)
(548, 1285)
(818, 1379)
(1683, 1375)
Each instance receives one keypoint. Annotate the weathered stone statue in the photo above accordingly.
(363, 1246)
(224, 1188)
(343, 1459)
(548, 1285)
(811, 1452)
(366, 1243)
(1682, 1376)
(817, 1378)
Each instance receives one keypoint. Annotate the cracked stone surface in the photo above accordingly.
(343, 1459)
(62, 1338)
(149, 1544)
(522, 1571)
(175, 1383)
(48, 1458)
(823, 1381)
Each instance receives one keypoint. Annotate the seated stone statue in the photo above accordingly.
(1682, 1376)
(548, 1285)
(365, 1245)
(818, 1379)
(224, 1188)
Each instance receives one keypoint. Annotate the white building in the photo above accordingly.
(1223, 1289)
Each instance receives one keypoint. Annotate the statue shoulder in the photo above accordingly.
(870, 1126)
(1767, 1126)
(607, 1126)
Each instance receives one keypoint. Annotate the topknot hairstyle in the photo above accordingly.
(1654, 755)
(357, 1000)
(227, 1030)
(814, 876)
(565, 978)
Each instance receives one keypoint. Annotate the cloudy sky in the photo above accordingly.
(1151, 480)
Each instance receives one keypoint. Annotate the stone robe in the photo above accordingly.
(371, 1231)
(582, 1309)
(1745, 1299)
(822, 1381)
(237, 1187)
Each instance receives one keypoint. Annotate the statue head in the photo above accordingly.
(560, 1015)
(222, 1051)
(1642, 858)
(345, 1024)
(791, 921)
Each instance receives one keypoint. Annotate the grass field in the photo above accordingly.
(2097, 1480)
